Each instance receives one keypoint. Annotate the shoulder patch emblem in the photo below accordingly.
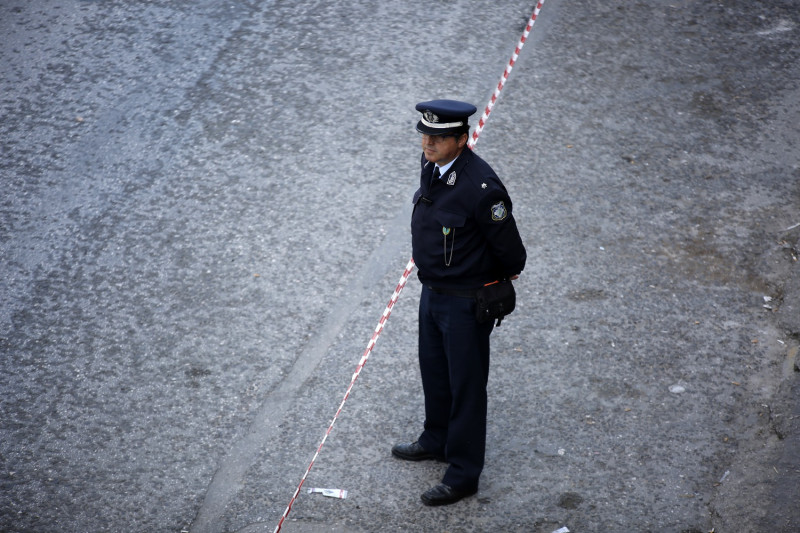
(499, 212)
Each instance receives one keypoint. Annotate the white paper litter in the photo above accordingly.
(331, 493)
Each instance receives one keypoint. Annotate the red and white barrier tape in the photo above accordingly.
(410, 266)
(504, 77)
(364, 357)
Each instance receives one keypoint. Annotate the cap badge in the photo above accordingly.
(430, 117)
(499, 212)
(451, 179)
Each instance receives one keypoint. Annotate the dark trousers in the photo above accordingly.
(454, 363)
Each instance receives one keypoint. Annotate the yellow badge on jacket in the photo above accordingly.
(499, 212)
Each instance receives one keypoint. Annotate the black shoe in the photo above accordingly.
(411, 452)
(442, 494)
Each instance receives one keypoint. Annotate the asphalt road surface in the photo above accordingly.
(204, 210)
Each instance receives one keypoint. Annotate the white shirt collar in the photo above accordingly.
(445, 168)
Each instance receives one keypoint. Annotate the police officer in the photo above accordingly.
(463, 236)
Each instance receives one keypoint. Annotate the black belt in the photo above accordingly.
(460, 293)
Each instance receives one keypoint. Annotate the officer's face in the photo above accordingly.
(441, 149)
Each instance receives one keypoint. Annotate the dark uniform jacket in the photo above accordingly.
(463, 234)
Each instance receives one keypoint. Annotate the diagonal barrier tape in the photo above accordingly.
(410, 266)
(504, 77)
(361, 363)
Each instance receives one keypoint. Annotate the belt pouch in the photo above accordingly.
(494, 301)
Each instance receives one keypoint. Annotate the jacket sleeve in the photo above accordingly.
(496, 222)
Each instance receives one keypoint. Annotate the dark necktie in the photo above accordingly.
(435, 173)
